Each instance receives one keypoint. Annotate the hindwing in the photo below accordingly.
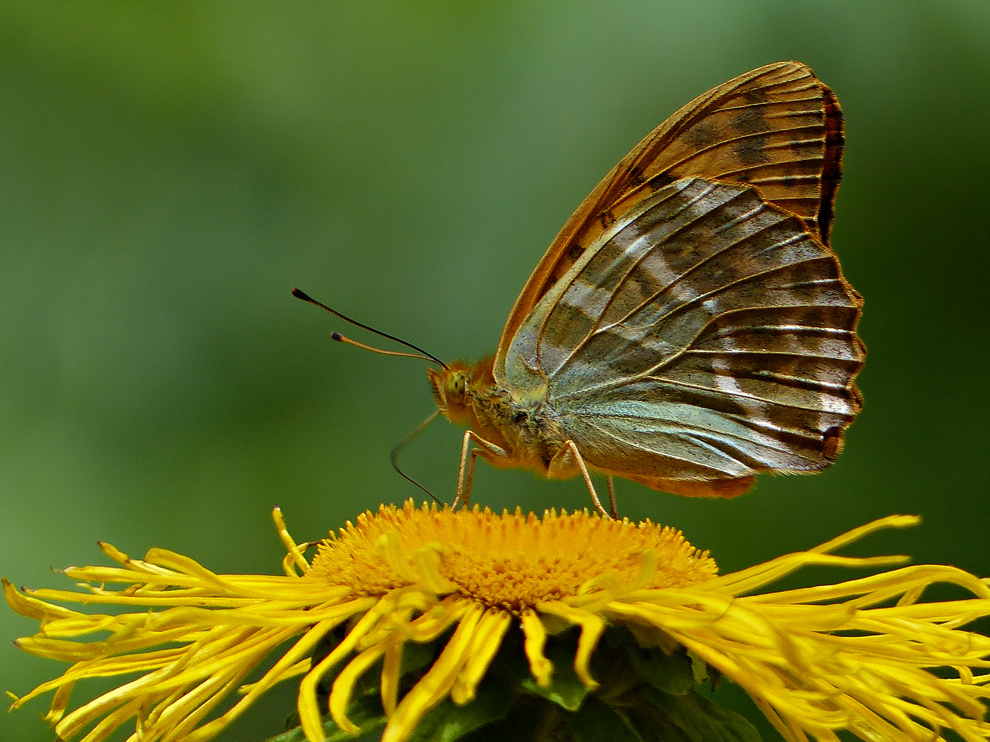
(707, 334)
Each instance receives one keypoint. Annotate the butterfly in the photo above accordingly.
(690, 326)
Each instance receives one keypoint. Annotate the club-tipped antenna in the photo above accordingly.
(340, 338)
(397, 449)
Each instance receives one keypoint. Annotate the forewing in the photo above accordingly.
(777, 128)
(709, 334)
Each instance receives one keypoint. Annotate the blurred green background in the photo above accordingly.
(168, 171)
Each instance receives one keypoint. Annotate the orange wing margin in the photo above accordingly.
(777, 128)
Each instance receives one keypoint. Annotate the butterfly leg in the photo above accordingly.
(611, 498)
(562, 459)
(468, 457)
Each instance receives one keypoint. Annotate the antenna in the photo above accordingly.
(340, 338)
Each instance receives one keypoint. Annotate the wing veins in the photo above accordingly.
(683, 430)
(796, 382)
(784, 180)
(647, 158)
(737, 352)
(634, 264)
(762, 424)
(603, 240)
(693, 302)
(765, 104)
(646, 302)
(730, 331)
(705, 297)
(704, 438)
(698, 152)
(666, 380)
(793, 382)
(596, 328)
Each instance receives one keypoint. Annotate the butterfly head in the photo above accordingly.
(453, 388)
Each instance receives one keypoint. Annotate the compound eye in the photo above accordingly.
(457, 386)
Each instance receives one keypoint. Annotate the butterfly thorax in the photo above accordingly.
(526, 429)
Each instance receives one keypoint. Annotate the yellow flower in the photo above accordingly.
(865, 655)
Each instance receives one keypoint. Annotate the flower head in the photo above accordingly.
(864, 655)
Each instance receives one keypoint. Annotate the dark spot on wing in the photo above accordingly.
(756, 95)
(575, 251)
(660, 180)
(831, 443)
(752, 150)
(813, 317)
(636, 176)
(607, 219)
(810, 146)
(750, 121)
(788, 181)
(701, 134)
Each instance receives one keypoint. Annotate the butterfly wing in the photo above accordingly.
(777, 128)
(708, 334)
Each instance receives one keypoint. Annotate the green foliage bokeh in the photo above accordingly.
(169, 171)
